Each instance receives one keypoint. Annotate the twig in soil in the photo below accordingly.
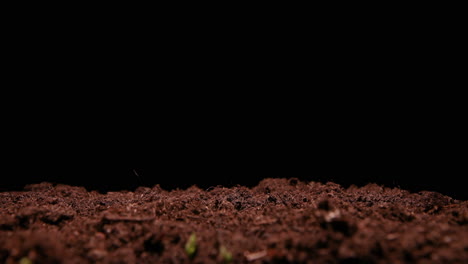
(256, 255)
(265, 221)
(194, 217)
(114, 218)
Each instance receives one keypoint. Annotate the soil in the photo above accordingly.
(277, 221)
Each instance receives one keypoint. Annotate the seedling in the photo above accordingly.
(225, 255)
(25, 260)
(191, 246)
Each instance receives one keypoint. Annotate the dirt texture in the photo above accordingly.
(278, 221)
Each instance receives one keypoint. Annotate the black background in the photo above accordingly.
(361, 129)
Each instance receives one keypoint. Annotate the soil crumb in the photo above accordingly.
(277, 221)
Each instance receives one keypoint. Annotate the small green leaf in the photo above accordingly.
(25, 260)
(191, 246)
(226, 256)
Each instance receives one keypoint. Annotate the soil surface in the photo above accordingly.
(278, 221)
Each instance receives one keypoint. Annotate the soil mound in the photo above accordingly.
(277, 221)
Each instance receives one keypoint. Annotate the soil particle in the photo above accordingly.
(278, 221)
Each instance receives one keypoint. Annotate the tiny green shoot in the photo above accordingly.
(226, 256)
(191, 245)
(25, 260)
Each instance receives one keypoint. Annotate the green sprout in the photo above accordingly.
(226, 256)
(25, 260)
(191, 246)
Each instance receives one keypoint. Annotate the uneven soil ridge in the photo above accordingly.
(278, 221)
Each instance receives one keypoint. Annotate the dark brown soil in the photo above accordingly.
(278, 221)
